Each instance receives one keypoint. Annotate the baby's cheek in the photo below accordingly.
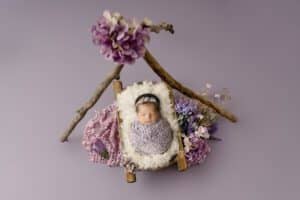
(140, 117)
(157, 116)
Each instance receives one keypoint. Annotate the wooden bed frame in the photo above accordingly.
(179, 159)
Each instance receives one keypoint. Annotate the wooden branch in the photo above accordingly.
(162, 26)
(92, 101)
(117, 88)
(181, 161)
(165, 76)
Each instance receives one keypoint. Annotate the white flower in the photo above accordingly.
(113, 18)
(200, 116)
(117, 15)
(147, 21)
(107, 15)
(202, 132)
(208, 85)
(187, 144)
(217, 96)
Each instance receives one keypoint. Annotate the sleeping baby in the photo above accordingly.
(150, 132)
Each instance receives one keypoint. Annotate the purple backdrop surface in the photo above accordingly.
(49, 67)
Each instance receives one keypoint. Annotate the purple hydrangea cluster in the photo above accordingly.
(188, 113)
(198, 152)
(120, 40)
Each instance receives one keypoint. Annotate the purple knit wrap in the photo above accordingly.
(148, 139)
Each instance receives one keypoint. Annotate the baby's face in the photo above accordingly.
(147, 113)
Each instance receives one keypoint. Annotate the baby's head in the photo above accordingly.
(147, 108)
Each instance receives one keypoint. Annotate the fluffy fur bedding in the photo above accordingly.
(126, 107)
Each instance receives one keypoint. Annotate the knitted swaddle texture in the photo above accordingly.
(153, 138)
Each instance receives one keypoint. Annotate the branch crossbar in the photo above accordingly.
(165, 76)
(92, 101)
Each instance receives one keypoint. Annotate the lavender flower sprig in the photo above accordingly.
(188, 113)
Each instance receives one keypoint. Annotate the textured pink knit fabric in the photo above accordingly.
(104, 127)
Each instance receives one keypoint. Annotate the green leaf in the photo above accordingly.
(104, 154)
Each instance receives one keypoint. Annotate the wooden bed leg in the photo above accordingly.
(130, 176)
(130, 172)
(181, 161)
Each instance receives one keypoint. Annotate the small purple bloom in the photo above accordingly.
(213, 128)
(98, 146)
(187, 111)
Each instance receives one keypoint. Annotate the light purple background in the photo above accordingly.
(49, 68)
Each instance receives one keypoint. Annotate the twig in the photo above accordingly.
(92, 101)
(165, 76)
(162, 26)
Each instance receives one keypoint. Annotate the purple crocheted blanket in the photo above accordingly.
(149, 139)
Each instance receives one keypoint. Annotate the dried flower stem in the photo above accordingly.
(92, 101)
(165, 76)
